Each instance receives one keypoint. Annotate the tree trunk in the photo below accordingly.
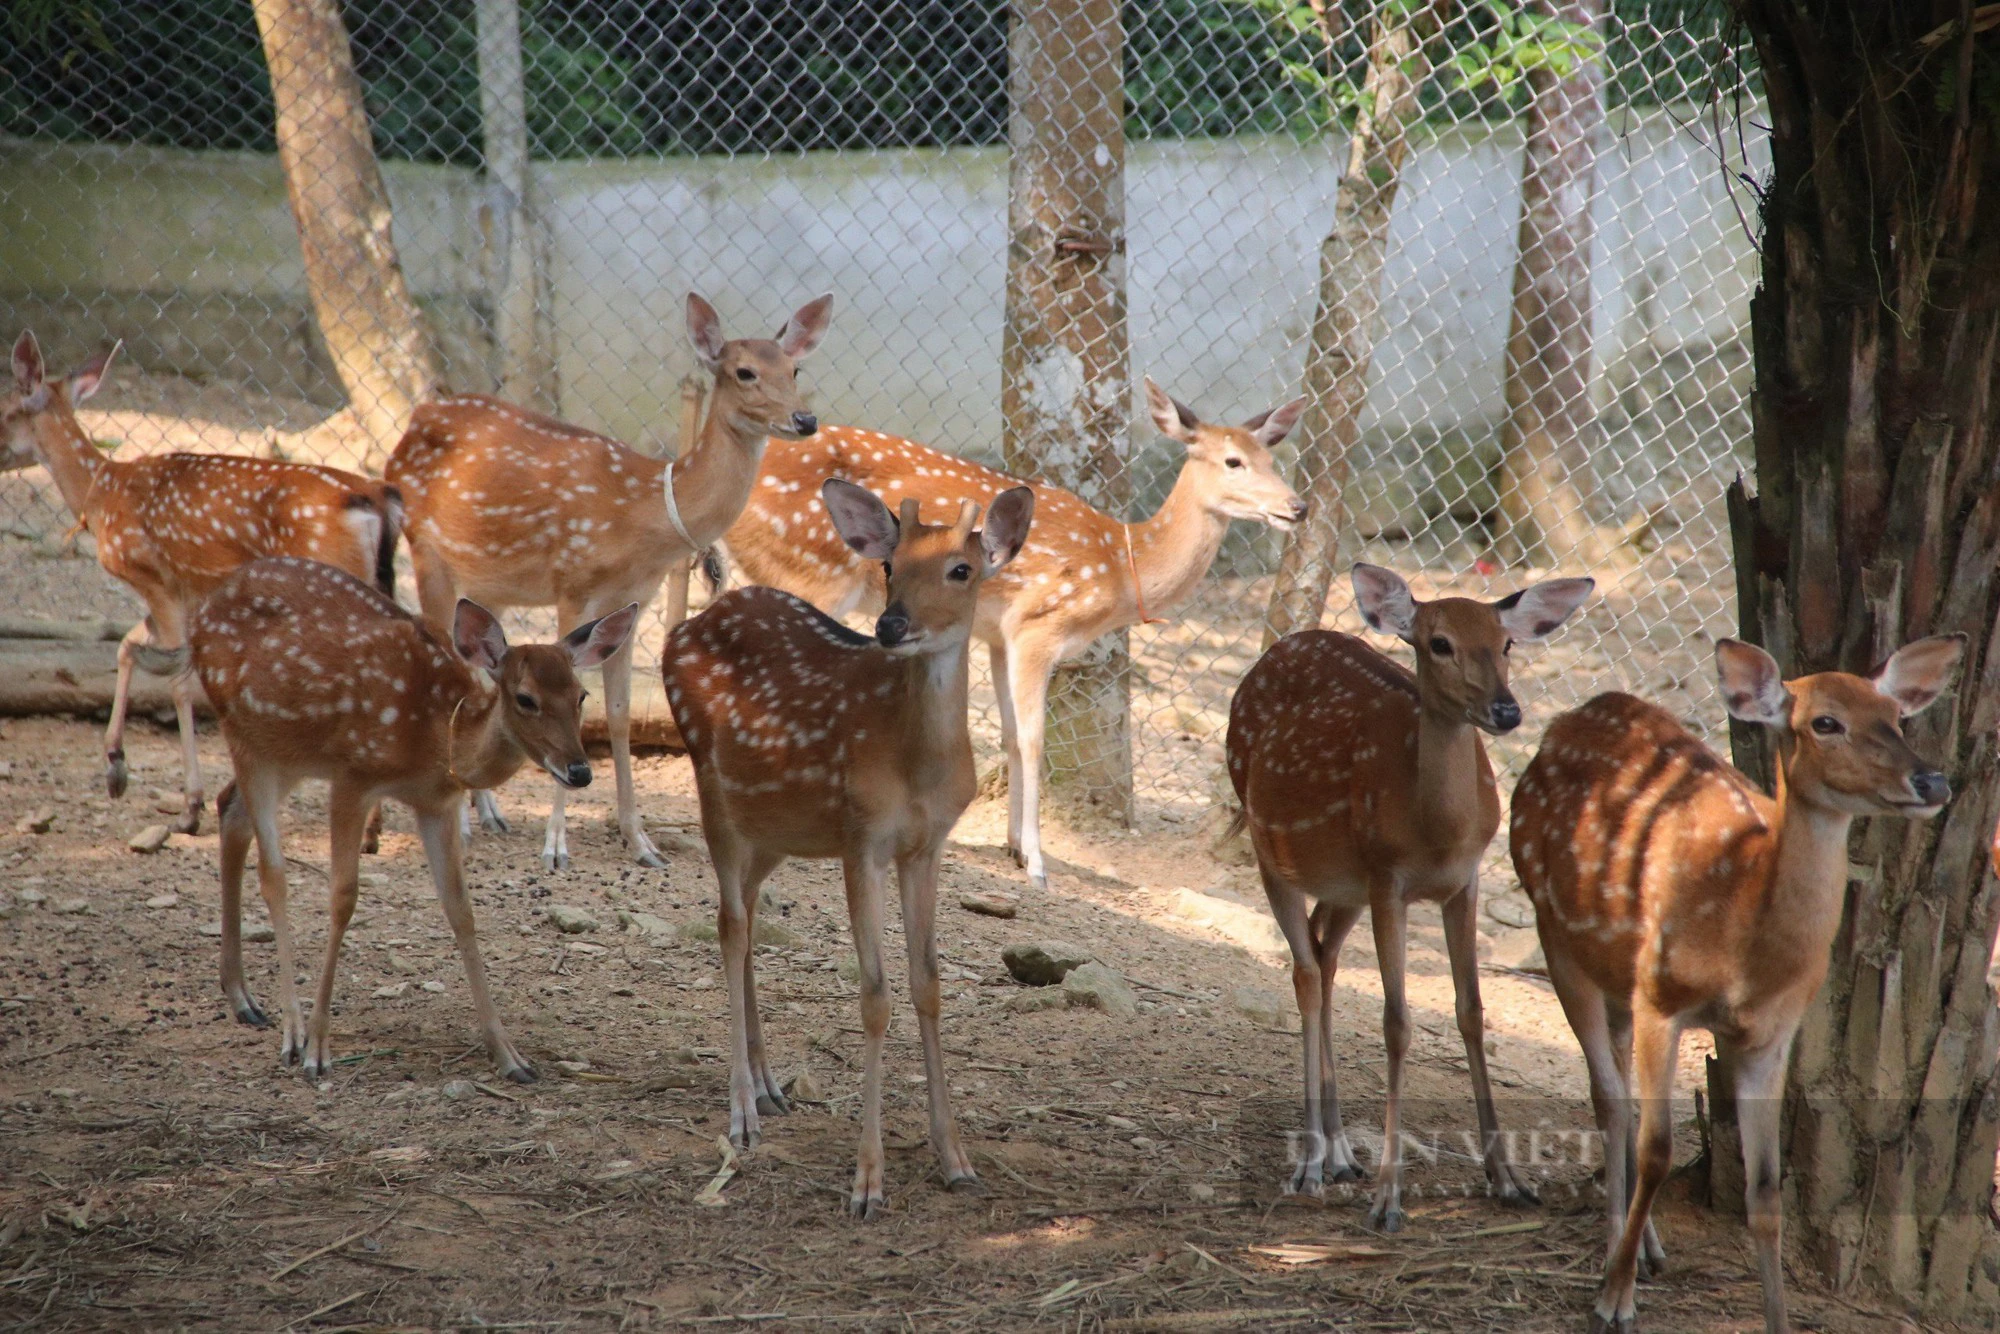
(514, 238)
(1066, 387)
(371, 325)
(1877, 420)
(1550, 428)
(1344, 325)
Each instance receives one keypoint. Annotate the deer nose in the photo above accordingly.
(1505, 713)
(1299, 508)
(1930, 787)
(804, 423)
(579, 774)
(895, 623)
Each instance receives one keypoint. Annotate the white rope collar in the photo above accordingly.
(674, 510)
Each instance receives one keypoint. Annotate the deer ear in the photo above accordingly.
(1753, 689)
(1176, 420)
(27, 362)
(476, 634)
(1006, 530)
(1275, 425)
(807, 326)
(1540, 609)
(863, 521)
(705, 329)
(592, 642)
(86, 381)
(1385, 601)
(1916, 674)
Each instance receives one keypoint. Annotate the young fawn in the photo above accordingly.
(1082, 576)
(1671, 894)
(1367, 788)
(173, 527)
(317, 675)
(809, 740)
(514, 509)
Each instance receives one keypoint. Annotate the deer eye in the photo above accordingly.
(1507, 647)
(1232, 462)
(1828, 725)
(581, 696)
(959, 573)
(745, 374)
(1440, 646)
(526, 702)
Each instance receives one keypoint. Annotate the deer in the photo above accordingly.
(513, 508)
(1670, 893)
(173, 527)
(1366, 787)
(315, 674)
(810, 740)
(1082, 576)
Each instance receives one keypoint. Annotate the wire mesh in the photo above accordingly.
(763, 153)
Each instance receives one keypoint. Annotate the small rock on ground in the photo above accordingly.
(398, 965)
(1266, 1009)
(260, 931)
(458, 1088)
(995, 903)
(150, 839)
(804, 1088)
(1043, 963)
(1096, 987)
(645, 923)
(163, 901)
(36, 822)
(72, 907)
(570, 921)
(391, 991)
(433, 985)
(1520, 950)
(1039, 998)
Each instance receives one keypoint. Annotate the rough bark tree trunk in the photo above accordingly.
(1066, 386)
(514, 238)
(370, 324)
(1877, 420)
(1550, 428)
(1344, 325)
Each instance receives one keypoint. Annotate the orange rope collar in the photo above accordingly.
(1138, 590)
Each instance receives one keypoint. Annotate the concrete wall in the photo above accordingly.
(193, 259)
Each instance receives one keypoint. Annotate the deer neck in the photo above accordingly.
(1802, 900)
(931, 710)
(712, 480)
(1173, 549)
(71, 458)
(479, 751)
(1445, 804)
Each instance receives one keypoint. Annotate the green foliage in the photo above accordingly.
(1522, 43)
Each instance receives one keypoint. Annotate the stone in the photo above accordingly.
(260, 931)
(150, 839)
(72, 907)
(1043, 963)
(31, 897)
(432, 985)
(996, 903)
(645, 923)
(1252, 928)
(210, 928)
(1509, 910)
(699, 931)
(570, 921)
(1121, 1123)
(1520, 950)
(391, 991)
(1201, 1192)
(586, 949)
(573, 1067)
(36, 822)
(1264, 1008)
(458, 1088)
(802, 1087)
(1094, 986)
(397, 964)
(163, 901)
(1038, 998)
(373, 880)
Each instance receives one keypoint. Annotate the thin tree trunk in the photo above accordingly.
(1877, 419)
(526, 371)
(1551, 429)
(1344, 326)
(1066, 387)
(371, 326)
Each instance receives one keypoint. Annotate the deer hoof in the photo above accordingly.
(1387, 1217)
(966, 1185)
(115, 777)
(1603, 1324)
(650, 857)
(865, 1208)
(248, 1012)
(190, 821)
(522, 1073)
(773, 1104)
(555, 861)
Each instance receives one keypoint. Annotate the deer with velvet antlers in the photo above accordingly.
(810, 740)
(512, 509)
(1082, 575)
(1671, 894)
(316, 675)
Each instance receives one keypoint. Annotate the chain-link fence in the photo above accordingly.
(1329, 195)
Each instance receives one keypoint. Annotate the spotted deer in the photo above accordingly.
(513, 509)
(1367, 788)
(1671, 894)
(173, 527)
(810, 740)
(316, 675)
(1083, 575)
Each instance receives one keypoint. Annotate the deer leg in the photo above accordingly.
(490, 818)
(1028, 675)
(916, 879)
(555, 840)
(1589, 1018)
(1461, 940)
(1330, 926)
(731, 860)
(863, 867)
(618, 721)
(439, 831)
(1010, 741)
(1760, 1086)
(115, 775)
(1308, 1175)
(1389, 916)
(1655, 1041)
(347, 810)
(771, 1099)
(371, 835)
(264, 796)
(1652, 1255)
(678, 575)
(237, 835)
(193, 798)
